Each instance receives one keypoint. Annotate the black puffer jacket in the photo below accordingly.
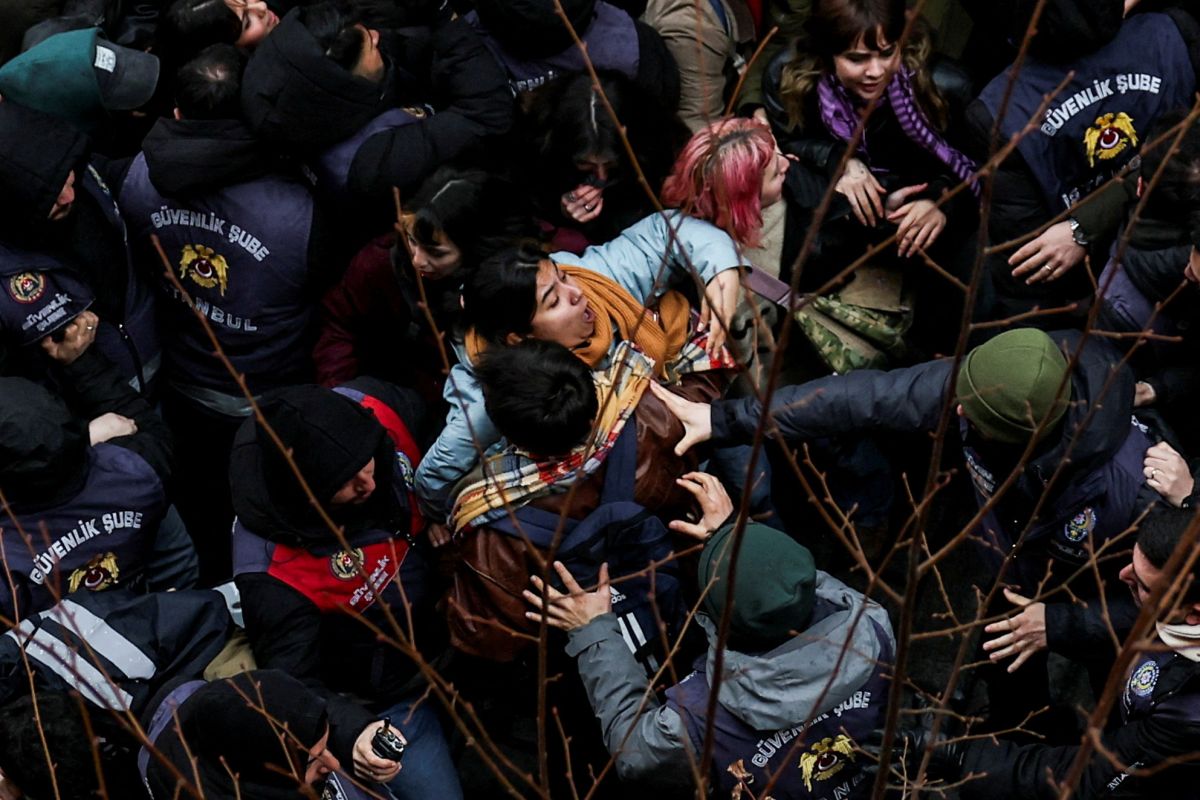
(192, 157)
(910, 400)
(298, 99)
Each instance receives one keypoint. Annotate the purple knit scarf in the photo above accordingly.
(841, 117)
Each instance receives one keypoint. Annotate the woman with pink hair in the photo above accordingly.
(727, 174)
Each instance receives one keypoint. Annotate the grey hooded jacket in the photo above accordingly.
(807, 676)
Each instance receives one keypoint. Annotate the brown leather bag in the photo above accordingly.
(485, 610)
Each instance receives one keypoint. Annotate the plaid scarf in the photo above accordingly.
(841, 117)
(513, 477)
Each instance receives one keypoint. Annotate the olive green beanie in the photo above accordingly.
(1009, 384)
(774, 589)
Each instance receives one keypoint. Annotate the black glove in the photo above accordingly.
(945, 762)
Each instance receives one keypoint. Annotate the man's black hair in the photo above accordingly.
(23, 758)
(333, 24)
(188, 26)
(209, 86)
(540, 395)
(1158, 537)
(1175, 197)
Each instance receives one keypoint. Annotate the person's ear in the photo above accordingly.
(513, 339)
(177, 114)
(1193, 614)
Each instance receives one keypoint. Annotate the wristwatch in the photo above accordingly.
(1077, 233)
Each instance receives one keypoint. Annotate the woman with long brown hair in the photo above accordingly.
(851, 58)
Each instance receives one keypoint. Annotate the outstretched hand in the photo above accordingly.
(572, 610)
(696, 417)
(1023, 634)
(718, 306)
(1167, 473)
(863, 192)
(715, 505)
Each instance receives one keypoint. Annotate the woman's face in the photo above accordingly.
(562, 313)
(257, 21)
(865, 72)
(596, 170)
(773, 176)
(435, 261)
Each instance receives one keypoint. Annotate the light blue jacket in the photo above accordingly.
(645, 261)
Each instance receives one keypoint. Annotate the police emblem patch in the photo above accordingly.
(99, 573)
(1080, 525)
(204, 267)
(1109, 137)
(826, 759)
(27, 287)
(346, 564)
(1142, 681)
(404, 464)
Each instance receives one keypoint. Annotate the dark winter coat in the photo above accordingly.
(290, 624)
(295, 97)
(1097, 496)
(1160, 720)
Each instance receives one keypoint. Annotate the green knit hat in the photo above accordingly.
(774, 589)
(78, 75)
(1009, 384)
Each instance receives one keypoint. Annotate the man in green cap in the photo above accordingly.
(804, 674)
(1059, 432)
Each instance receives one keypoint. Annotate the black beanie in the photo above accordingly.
(331, 438)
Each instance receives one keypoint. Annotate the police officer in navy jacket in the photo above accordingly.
(244, 239)
(1014, 388)
(58, 216)
(314, 600)
(86, 500)
(1159, 703)
(804, 675)
(114, 649)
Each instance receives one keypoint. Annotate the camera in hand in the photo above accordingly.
(386, 743)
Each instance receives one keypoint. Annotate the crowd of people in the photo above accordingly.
(379, 376)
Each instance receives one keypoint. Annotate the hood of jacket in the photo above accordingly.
(295, 97)
(197, 156)
(803, 678)
(43, 447)
(1155, 256)
(37, 151)
(331, 438)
